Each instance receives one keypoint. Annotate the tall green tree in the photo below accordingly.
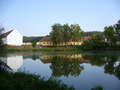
(66, 33)
(109, 32)
(76, 32)
(97, 41)
(56, 33)
(2, 46)
(117, 28)
(97, 38)
(34, 43)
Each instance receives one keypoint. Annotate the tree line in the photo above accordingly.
(65, 32)
(107, 40)
(74, 32)
(38, 38)
(90, 33)
(32, 38)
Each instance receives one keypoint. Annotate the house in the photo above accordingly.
(47, 42)
(12, 37)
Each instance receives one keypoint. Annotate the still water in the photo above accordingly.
(83, 70)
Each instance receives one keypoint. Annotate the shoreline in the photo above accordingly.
(54, 49)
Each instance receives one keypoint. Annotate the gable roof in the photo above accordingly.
(46, 39)
(50, 39)
(6, 34)
(87, 37)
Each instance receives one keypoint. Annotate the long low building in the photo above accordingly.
(47, 42)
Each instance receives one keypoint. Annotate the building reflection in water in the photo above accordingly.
(13, 62)
(48, 58)
(64, 64)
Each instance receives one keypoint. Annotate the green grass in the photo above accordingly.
(73, 48)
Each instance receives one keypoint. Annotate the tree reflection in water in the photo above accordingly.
(65, 66)
(72, 64)
(117, 71)
(109, 66)
(106, 61)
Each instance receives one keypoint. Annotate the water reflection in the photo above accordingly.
(76, 69)
(67, 64)
(106, 61)
(64, 64)
(72, 64)
(13, 62)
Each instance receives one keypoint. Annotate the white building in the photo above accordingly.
(13, 37)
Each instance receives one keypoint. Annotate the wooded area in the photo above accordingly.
(38, 38)
(32, 38)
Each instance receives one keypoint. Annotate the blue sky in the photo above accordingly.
(35, 17)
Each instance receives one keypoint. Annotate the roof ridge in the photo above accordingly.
(6, 34)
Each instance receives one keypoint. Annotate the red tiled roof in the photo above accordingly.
(50, 39)
(46, 39)
(86, 37)
(6, 34)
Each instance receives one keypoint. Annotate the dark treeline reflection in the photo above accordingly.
(72, 64)
(66, 66)
(106, 61)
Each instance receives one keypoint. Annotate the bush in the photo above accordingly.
(27, 81)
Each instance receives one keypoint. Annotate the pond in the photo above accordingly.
(82, 70)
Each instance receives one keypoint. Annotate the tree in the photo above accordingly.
(76, 32)
(34, 44)
(97, 38)
(66, 33)
(114, 40)
(56, 33)
(87, 45)
(31, 39)
(109, 32)
(90, 33)
(97, 41)
(117, 28)
(2, 46)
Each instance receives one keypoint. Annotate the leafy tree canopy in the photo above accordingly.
(109, 31)
(2, 46)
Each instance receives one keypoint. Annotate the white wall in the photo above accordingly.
(15, 38)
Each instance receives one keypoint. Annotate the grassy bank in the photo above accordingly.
(71, 48)
(37, 48)
(27, 81)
